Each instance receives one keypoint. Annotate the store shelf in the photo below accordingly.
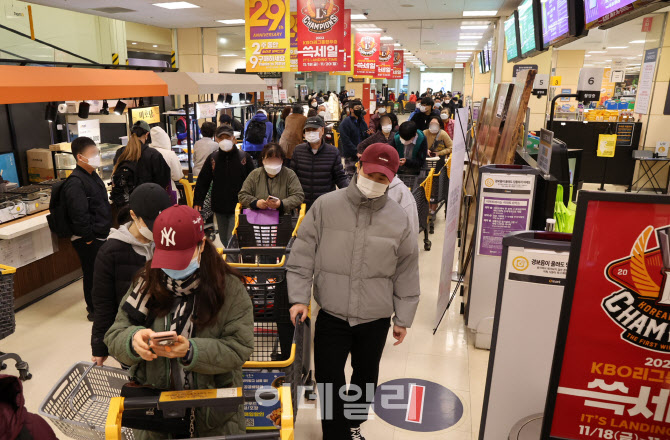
(24, 225)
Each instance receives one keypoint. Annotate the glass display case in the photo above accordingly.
(64, 162)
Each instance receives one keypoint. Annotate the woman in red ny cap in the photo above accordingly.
(187, 289)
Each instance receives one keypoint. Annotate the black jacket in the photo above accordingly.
(87, 203)
(320, 172)
(228, 176)
(422, 120)
(352, 132)
(115, 266)
(151, 168)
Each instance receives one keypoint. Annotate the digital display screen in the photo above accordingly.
(480, 57)
(555, 20)
(597, 9)
(511, 43)
(527, 27)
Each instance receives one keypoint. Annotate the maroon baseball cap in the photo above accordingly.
(177, 232)
(381, 158)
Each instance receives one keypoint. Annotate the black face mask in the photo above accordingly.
(358, 113)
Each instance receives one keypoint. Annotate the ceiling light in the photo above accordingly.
(617, 47)
(386, 37)
(479, 13)
(133, 42)
(634, 64)
(223, 40)
(155, 45)
(637, 41)
(586, 56)
(597, 51)
(228, 55)
(176, 5)
(120, 107)
(396, 44)
(232, 21)
(467, 52)
(468, 43)
(609, 60)
(474, 27)
(470, 37)
(359, 17)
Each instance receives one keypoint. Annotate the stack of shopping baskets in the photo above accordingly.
(8, 321)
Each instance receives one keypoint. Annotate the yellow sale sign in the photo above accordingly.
(268, 35)
(606, 145)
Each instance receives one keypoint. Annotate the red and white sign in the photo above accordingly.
(385, 64)
(415, 404)
(294, 42)
(398, 64)
(320, 33)
(646, 24)
(366, 53)
(611, 374)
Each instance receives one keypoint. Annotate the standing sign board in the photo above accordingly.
(530, 291)
(610, 375)
(205, 110)
(398, 64)
(89, 128)
(384, 67)
(544, 154)
(268, 35)
(505, 204)
(644, 89)
(320, 33)
(453, 206)
(366, 53)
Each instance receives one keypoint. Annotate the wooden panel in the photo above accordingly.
(504, 94)
(483, 127)
(514, 131)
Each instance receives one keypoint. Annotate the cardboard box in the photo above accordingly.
(63, 146)
(37, 175)
(40, 158)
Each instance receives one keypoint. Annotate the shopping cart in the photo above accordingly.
(438, 196)
(8, 321)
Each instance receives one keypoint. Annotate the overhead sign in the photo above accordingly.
(267, 35)
(606, 145)
(610, 375)
(320, 32)
(647, 23)
(541, 84)
(205, 110)
(150, 115)
(616, 76)
(346, 47)
(366, 53)
(644, 88)
(384, 67)
(555, 81)
(398, 64)
(89, 128)
(294, 41)
(544, 153)
(590, 82)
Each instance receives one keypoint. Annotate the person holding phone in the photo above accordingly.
(272, 186)
(188, 289)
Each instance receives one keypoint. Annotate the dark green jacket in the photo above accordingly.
(285, 186)
(218, 354)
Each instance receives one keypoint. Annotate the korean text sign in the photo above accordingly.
(294, 42)
(320, 35)
(267, 30)
(346, 47)
(366, 53)
(384, 67)
(611, 372)
(398, 64)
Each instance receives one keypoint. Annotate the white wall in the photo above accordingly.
(229, 64)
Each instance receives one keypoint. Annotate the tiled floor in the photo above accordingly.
(53, 334)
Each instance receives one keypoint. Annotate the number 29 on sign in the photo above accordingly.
(265, 13)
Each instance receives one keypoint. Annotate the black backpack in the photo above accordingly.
(255, 132)
(124, 182)
(58, 219)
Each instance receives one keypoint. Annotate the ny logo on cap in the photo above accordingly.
(167, 237)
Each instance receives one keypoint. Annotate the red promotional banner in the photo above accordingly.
(366, 53)
(345, 47)
(611, 372)
(384, 67)
(320, 31)
(398, 64)
(294, 41)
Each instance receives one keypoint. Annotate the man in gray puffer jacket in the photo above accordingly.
(356, 247)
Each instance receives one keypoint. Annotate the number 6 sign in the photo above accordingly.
(267, 29)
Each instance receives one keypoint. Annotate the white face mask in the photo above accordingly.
(370, 188)
(146, 232)
(404, 142)
(444, 116)
(94, 161)
(422, 108)
(386, 129)
(322, 114)
(312, 137)
(272, 170)
(314, 104)
(434, 129)
(382, 111)
(226, 145)
(438, 105)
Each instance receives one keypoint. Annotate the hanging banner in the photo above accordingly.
(268, 39)
(320, 31)
(611, 370)
(346, 46)
(366, 53)
(384, 68)
(398, 64)
(294, 41)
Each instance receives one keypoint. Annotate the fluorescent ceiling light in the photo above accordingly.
(386, 38)
(597, 51)
(232, 21)
(468, 43)
(133, 42)
(176, 5)
(358, 17)
(634, 64)
(228, 55)
(586, 56)
(479, 13)
(637, 41)
(223, 40)
(617, 47)
(396, 44)
(155, 45)
(463, 52)
(474, 27)
(470, 37)
(609, 60)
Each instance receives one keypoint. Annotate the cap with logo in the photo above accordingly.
(315, 122)
(381, 158)
(143, 124)
(147, 201)
(177, 232)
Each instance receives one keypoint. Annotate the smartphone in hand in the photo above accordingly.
(164, 339)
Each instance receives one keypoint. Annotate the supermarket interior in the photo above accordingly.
(335, 219)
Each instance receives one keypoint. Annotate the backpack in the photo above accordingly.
(255, 132)
(124, 182)
(58, 219)
(206, 211)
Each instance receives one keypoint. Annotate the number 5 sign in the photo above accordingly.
(268, 35)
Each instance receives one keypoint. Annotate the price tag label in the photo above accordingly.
(556, 81)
